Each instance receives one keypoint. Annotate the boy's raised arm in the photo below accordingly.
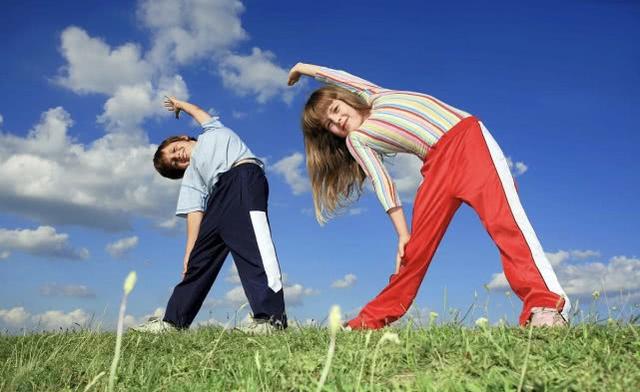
(175, 105)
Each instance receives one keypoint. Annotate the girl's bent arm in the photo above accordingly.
(194, 219)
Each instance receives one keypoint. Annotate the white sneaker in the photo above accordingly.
(155, 325)
(257, 327)
(546, 317)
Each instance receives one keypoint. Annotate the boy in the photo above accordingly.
(224, 197)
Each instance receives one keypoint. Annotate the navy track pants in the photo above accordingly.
(235, 221)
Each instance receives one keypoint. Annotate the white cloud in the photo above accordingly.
(48, 177)
(4, 254)
(256, 74)
(517, 168)
(348, 281)
(237, 114)
(56, 290)
(620, 274)
(1, 120)
(584, 254)
(15, 317)
(558, 257)
(130, 321)
(56, 319)
(498, 281)
(170, 224)
(121, 247)
(404, 169)
(291, 168)
(235, 296)
(233, 276)
(293, 295)
(43, 241)
(94, 67)
(183, 30)
(356, 210)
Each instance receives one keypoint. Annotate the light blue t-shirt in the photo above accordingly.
(217, 149)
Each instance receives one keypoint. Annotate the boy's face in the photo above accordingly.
(178, 154)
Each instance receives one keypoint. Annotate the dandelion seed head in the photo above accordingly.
(482, 322)
(335, 319)
(389, 337)
(130, 282)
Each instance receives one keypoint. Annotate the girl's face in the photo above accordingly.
(341, 118)
(178, 153)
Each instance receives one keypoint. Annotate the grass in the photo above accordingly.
(442, 357)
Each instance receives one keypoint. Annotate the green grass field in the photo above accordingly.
(586, 357)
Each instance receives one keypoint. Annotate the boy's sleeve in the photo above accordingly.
(363, 88)
(193, 193)
(371, 162)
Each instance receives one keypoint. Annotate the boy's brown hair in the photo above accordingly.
(162, 165)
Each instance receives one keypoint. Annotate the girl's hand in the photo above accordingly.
(402, 242)
(173, 105)
(294, 74)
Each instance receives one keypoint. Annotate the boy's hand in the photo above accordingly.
(173, 105)
(184, 267)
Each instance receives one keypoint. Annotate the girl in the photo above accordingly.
(350, 123)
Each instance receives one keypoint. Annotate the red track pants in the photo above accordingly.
(467, 165)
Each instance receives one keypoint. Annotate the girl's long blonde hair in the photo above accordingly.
(336, 178)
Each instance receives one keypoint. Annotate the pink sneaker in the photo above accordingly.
(546, 317)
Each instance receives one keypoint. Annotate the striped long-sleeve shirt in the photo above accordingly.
(400, 121)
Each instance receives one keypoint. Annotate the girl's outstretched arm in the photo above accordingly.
(173, 104)
(356, 85)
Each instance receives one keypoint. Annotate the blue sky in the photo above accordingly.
(81, 115)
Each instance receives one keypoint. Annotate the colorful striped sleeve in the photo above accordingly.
(371, 162)
(363, 88)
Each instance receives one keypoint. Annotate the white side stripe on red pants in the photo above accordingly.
(540, 259)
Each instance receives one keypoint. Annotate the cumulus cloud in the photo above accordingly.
(51, 178)
(94, 67)
(356, 210)
(580, 278)
(404, 169)
(56, 319)
(235, 296)
(43, 241)
(294, 295)
(517, 168)
(233, 276)
(238, 114)
(121, 247)
(291, 168)
(131, 321)
(348, 281)
(183, 31)
(15, 317)
(76, 291)
(256, 74)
